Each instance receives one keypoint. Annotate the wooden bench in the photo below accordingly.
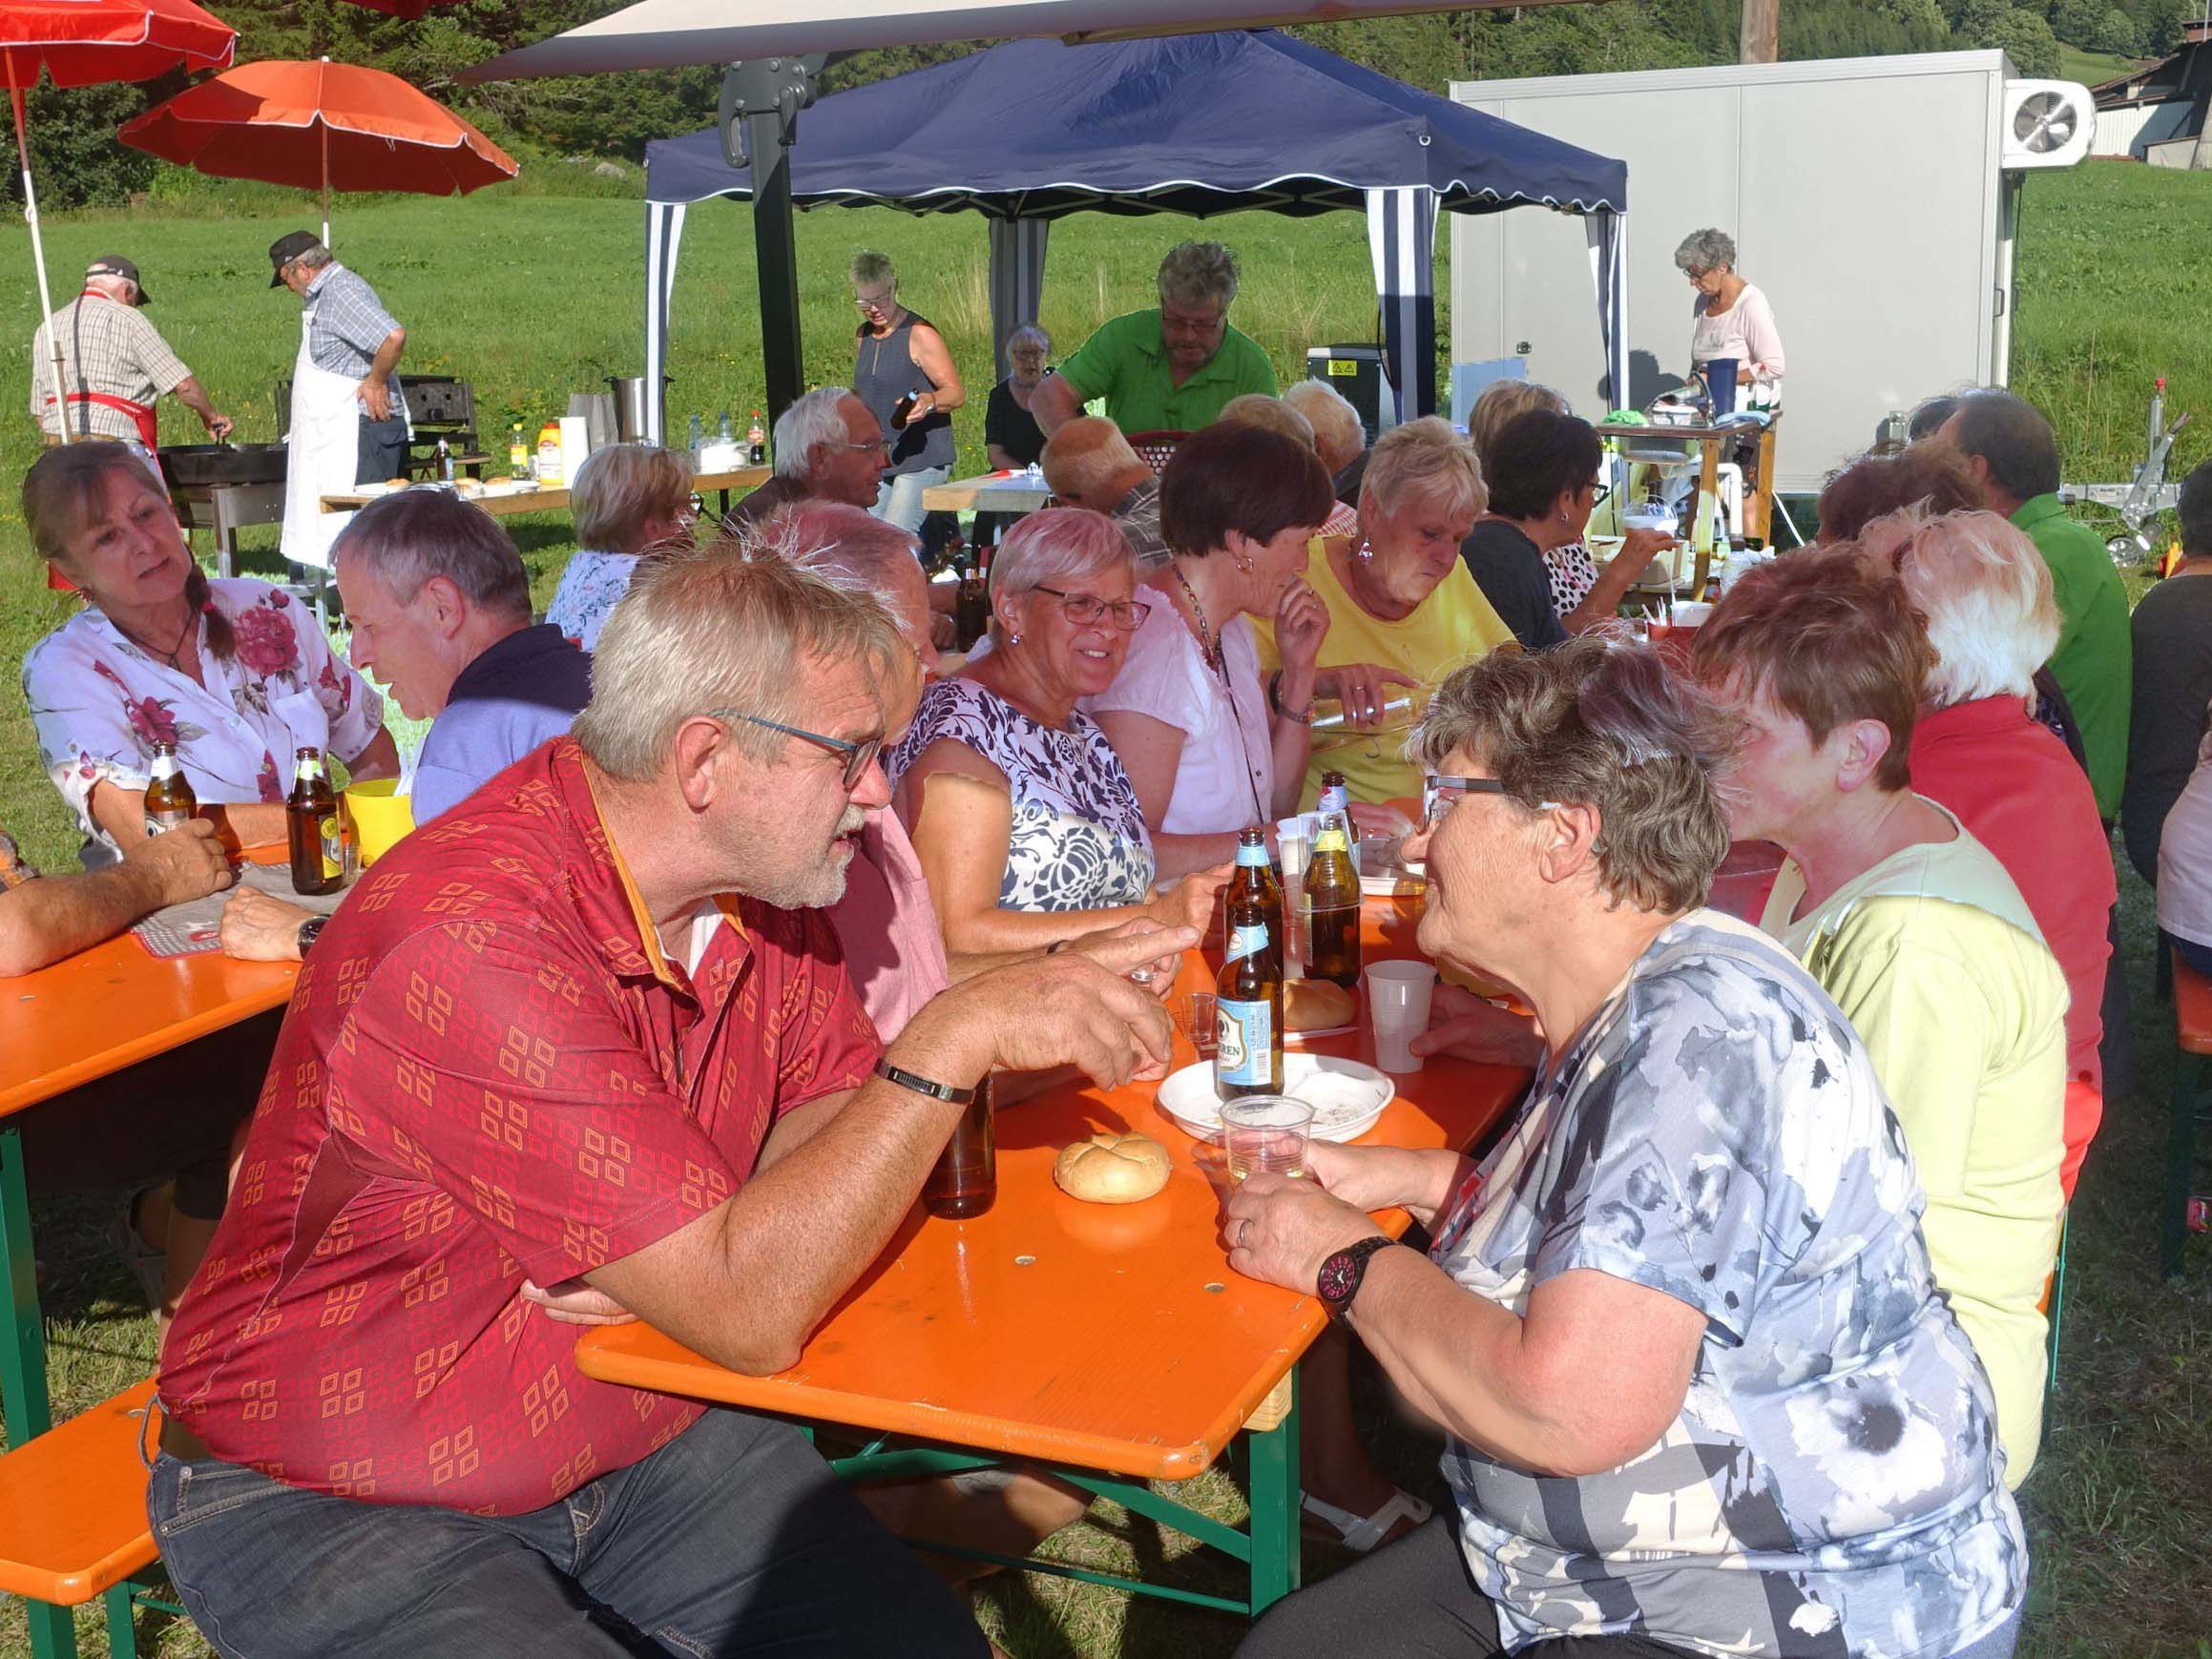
(2192, 1039)
(73, 1520)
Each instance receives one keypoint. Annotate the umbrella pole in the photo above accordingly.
(37, 248)
(326, 125)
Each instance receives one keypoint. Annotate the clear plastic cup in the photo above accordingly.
(1265, 1134)
(1398, 998)
(1193, 1013)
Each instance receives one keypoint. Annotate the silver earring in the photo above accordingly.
(1013, 639)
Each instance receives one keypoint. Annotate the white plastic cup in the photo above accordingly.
(1398, 998)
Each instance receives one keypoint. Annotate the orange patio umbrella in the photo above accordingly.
(336, 125)
(84, 43)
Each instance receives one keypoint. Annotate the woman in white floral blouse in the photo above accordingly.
(234, 672)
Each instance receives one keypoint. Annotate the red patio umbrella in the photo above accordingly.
(334, 125)
(84, 43)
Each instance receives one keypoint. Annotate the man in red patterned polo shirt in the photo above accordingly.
(588, 1031)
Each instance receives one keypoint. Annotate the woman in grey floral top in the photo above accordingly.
(1700, 1393)
(233, 672)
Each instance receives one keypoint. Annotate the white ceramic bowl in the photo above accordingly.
(1346, 1096)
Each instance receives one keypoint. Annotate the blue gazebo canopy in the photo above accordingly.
(1199, 124)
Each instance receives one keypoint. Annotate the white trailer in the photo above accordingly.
(1871, 198)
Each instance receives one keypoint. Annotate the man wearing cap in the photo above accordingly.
(349, 424)
(114, 365)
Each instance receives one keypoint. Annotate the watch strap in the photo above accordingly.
(921, 1085)
(310, 930)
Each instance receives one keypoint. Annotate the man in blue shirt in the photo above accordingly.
(439, 603)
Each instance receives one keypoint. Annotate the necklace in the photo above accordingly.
(174, 652)
(1209, 647)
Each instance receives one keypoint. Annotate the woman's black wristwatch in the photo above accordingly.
(1344, 1272)
(310, 930)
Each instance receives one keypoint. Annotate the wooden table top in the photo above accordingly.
(992, 491)
(117, 1004)
(505, 503)
(1109, 1337)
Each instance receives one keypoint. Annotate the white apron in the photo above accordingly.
(324, 453)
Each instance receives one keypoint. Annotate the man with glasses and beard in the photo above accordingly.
(588, 1046)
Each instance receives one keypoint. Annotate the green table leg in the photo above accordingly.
(1272, 1462)
(2181, 1162)
(122, 1623)
(23, 1362)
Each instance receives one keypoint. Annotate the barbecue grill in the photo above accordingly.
(223, 488)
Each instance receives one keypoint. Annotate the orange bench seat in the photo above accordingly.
(73, 1505)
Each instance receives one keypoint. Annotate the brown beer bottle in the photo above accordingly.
(311, 826)
(1332, 893)
(963, 1181)
(1249, 1000)
(972, 601)
(168, 797)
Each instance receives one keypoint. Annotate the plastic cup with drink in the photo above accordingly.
(1265, 1134)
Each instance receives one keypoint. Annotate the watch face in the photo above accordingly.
(1340, 1276)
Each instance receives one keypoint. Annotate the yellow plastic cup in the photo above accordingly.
(382, 817)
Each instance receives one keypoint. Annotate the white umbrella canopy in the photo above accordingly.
(667, 33)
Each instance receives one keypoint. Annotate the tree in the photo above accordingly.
(2159, 24)
(2117, 33)
(2024, 36)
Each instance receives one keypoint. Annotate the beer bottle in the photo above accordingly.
(971, 601)
(1248, 1003)
(168, 797)
(312, 828)
(1332, 893)
(963, 1181)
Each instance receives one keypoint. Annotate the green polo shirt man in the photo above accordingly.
(2015, 459)
(1170, 369)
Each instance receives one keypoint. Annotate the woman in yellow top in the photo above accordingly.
(1403, 610)
(1915, 930)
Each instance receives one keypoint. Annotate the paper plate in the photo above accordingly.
(1348, 1097)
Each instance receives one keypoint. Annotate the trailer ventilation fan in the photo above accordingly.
(2047, 123)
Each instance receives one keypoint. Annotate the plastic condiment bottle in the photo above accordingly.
(548, 455)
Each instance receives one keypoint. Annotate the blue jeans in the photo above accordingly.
(733, 1538)
(900, 501)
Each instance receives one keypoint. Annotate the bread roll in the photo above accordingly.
(1315, 1005)
(1110, 1169)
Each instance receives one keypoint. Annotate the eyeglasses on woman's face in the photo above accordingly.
(1088, 610)
(1440, 793)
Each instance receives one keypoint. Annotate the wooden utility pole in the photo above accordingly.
(1761, 38)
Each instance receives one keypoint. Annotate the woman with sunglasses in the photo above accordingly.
(1026, 827)
(903, 371)
(1189, 713)
(1542, 474)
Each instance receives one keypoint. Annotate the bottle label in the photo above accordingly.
(1330, 839)
(1249, 939)
(1252, 857)
(1332, 799)
(168, 818)
(1244, 1043)
(333, 848)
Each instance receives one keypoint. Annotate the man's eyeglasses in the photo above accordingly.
(857, 755)
(1439, 793)
(881, 447)
(874, 302)
(1085, 609)
(1599, 494)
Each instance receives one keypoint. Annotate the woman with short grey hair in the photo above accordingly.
(1028, 828)
(1731, 318)
(1702, 1187)
(904, 372)
(1012, 441)
(630, 502)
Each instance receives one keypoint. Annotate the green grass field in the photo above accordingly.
(531, 297)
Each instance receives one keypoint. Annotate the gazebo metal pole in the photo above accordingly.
(761, 101)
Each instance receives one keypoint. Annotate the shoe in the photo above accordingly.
(1360, 1534)
(148, 1265)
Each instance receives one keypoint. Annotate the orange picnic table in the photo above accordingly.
(82, 1019)
(1112, 1343)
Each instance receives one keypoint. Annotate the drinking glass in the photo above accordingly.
(1193, 1014)
(1265, 1134)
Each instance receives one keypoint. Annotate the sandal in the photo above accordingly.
(1362, 1533)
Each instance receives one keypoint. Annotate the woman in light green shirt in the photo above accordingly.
(1915, 929)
